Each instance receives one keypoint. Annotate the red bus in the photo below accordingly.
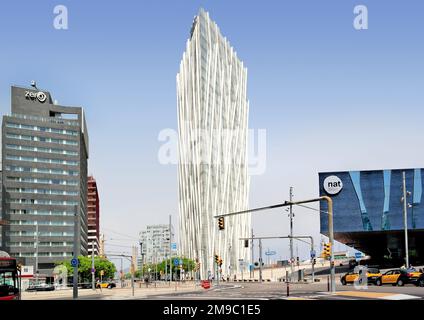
(10, 279)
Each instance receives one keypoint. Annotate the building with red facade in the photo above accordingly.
(93, 210)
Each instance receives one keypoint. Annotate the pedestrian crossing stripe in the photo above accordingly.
(401, 297)
(376, 295)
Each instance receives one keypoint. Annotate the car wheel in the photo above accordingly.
(420, 283)
(400, 283)
(378, 282)
(343, 281)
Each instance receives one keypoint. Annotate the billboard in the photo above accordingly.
(371, 200)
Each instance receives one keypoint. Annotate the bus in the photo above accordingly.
(10, 278)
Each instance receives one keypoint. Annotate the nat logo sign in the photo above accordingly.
(333, 185)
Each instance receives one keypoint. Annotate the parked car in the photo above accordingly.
(85, 285)
(373, 274)
(41, 287)
(420, 280)
(399, 277)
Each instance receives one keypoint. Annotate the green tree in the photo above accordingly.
(84, 268)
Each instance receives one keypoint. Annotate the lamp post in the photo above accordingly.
(405, 217)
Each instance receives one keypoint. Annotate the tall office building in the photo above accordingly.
(93, 210)
(44, 155)
(156, 244)
(212, 174)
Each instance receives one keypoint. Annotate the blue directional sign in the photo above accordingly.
(270, 253)
(313, 254)
(173, 246)
(358, 255)
(74, 262)
(176, 262)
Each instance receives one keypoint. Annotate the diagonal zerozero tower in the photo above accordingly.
(212, 171)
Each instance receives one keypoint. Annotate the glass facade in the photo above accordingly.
(371, 201)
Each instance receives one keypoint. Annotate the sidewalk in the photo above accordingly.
(115, 293)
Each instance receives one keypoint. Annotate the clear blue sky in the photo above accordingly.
(329, 96)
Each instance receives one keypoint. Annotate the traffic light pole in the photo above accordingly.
(286, 237)
(130, 259)
(330, 226)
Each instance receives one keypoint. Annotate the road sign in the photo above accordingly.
(181, 262)
(174, 246)
(313, 254)
(74, 262)
(93, 270)
(270, 253)
(358, 255)
(176, 262)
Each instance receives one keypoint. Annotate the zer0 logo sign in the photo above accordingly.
(40, 96)
(333, 185)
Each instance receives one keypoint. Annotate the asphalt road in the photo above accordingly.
(242, 291)
(297, 291)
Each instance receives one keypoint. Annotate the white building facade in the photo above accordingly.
(156, 244)
(213, 169)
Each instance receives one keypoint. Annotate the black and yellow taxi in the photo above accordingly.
(372, 275)
(420, 281)
(399, 277)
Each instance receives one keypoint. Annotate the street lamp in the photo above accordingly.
(405, 217)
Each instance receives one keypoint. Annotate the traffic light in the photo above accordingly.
(246, 243)
(327, 250)
(220, 262)
(216, 259)
(221, 225)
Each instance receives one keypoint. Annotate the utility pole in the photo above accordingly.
(170, 249)
(405, 220)
(36, 252)
(142, 262)
(93, 286)
(260, 260)
(121, 275)
(291, 234)
(76, 251)
(252, 268)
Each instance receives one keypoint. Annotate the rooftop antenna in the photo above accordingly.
(34, 84)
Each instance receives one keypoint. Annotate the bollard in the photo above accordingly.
(288, 288)
(328, 283)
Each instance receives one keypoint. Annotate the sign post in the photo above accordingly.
(74, 261)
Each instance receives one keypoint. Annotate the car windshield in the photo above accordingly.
(373, 270)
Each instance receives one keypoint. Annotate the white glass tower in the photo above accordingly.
(212, 123)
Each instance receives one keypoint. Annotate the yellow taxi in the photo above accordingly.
(373, 274)
(108, 285)
(400, 277)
